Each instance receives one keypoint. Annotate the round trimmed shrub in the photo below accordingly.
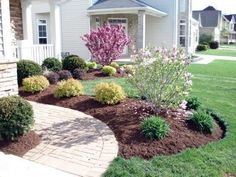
(201, 47)
(71, 63)
(214, 45)
(52, 64)
(109, 93)
(109, 70)
(78, 73)
(53, 77)
(91, 65)
(27, 68)
(129, 69)
(202, 121)
(16, 117)
(64, 75)
(35, 84)
(154, 128)
(115, 65)
(193, 103)
(68, 88)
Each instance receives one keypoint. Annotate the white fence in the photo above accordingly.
(36, 53)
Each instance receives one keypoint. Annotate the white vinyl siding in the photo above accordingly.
(1, 34)
(75, 23)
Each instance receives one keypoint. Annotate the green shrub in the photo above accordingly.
(193, 103)
(91, 65)
(202, 121)
(26, 68)
(35, 84)
(71, 63)
(108, 70)
(207, 44)
(214, 44)
(115, 65)
(201, 47)
(109, 93)
(129, 69)
(16, 117)
(52, 64)
(68, 88)
(154, 128)
(205, 38)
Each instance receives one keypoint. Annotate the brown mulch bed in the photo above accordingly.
(93, 74)
(124, 120)
(22, 145)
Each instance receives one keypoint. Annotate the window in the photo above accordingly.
(97, 22)
(182, 33)
(183, 5)
(42, 32)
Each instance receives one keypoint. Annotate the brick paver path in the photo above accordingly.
(72, 141)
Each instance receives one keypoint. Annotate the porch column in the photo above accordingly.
(141, 33)
(27, 20)
(55, 26)
(6, 28)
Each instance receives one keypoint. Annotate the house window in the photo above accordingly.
(182, 33)
(42, 32)
(97, 21)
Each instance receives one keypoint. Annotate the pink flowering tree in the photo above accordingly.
(107, 43)
(161, 77)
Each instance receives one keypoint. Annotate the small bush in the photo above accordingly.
(35, 84)
(115, 65)
(53, 77)
(71, 63)
(201, 47)
(16, 117)
(129, 69)
(91, 65)
(78, 73)
(68, 88)
(214, 45)
(52, 64)
(206, 43)
(155, 128)
(193, 103)
(26, 68)
(108, 70)
(203, 121)
(109, 93)
(64, 75)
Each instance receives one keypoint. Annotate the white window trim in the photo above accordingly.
(39, 24)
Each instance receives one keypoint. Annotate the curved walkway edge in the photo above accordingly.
(72, 141)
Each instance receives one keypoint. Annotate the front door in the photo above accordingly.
(124, 23)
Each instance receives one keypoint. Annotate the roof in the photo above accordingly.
(210, 17)
(229, 17)
(125, 4)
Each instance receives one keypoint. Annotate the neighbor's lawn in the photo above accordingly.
(215, 85)
(219, 52)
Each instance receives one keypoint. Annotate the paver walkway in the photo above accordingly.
(206, 59)
(72, 141)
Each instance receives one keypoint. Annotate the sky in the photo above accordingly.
(227, 6)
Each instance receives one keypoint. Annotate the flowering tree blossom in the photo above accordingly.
(161, 77)
(107, 43)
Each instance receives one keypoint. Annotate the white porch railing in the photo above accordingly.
(36, 53)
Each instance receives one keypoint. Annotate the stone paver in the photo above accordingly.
(72, 141)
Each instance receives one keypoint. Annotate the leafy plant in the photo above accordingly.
(64, 75)
(35, 84)
(91, 65)
(203, 121)
(26, 68)
(52, 77)
(193, 103)
(71, 63)
(115, 65)
(154, 128)
(201, 47)
(68, 88)
(78, 74)
(109, 70)
(16, 117)
(129, 69)
(161, 77)
(109, 93)
(107, 43)
(214, 45)
(52, 64)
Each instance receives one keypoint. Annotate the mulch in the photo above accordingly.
(93, 74)
(124, 120)
(22, 145)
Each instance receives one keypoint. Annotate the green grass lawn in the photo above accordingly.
(219, 52)
(231, 46)
(215, 85)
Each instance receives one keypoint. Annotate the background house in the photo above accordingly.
(229, 29)
(210, 21)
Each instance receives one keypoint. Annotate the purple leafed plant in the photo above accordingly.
(107, 43)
